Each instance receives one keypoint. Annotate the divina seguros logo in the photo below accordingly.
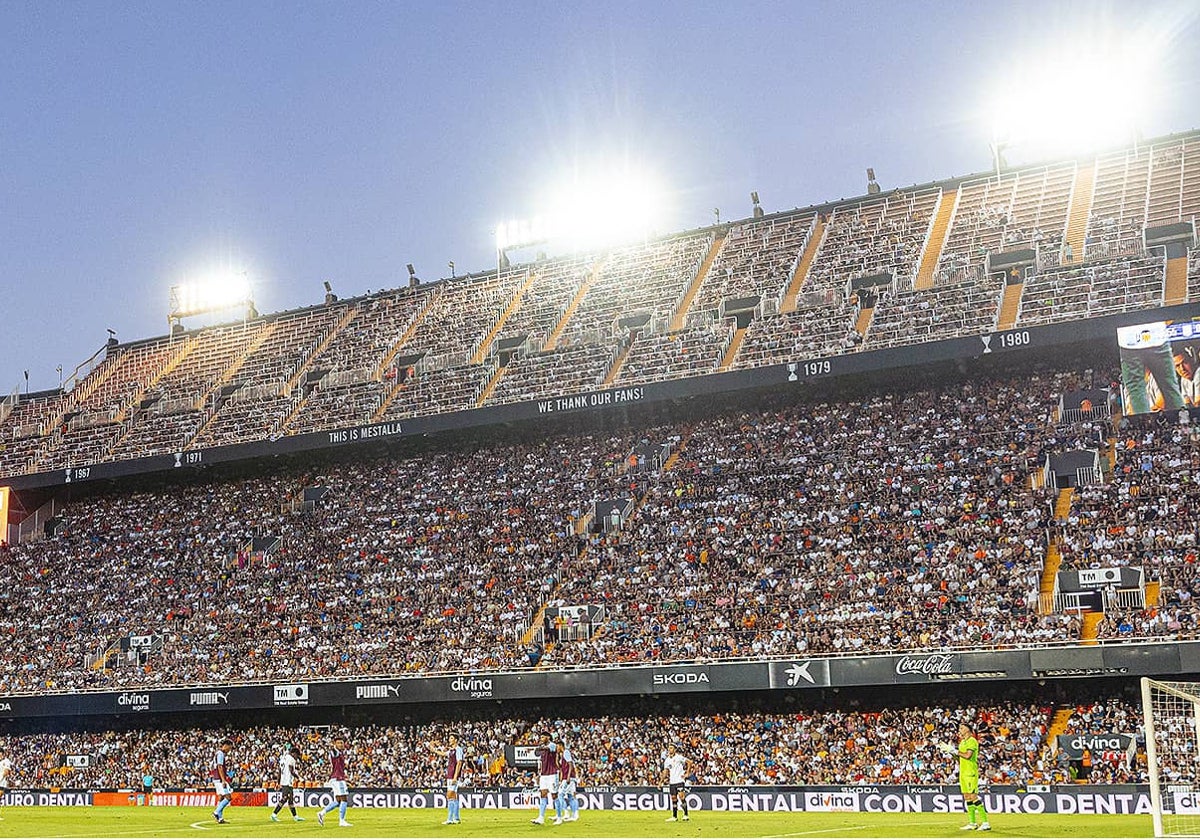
(474, 686)
(134, 702)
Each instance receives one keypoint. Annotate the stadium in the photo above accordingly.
(810, 498)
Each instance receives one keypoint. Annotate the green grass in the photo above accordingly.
(255, 822)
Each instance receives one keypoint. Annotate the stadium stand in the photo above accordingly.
(934, 314)
(1025, 209)
(646, 313)
(757, 259)
(906, 517)
(1092, 290)
(818, 527)
(1149, 185)
(24, 432)
(868, 744)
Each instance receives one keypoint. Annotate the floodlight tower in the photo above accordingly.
(218, 293)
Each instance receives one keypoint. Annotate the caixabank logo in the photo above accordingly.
(804, 673)
(295, 694)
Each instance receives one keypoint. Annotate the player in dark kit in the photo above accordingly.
(566, 807)
(337, 783)
(547, 755)
(222, 784)
(454, 771)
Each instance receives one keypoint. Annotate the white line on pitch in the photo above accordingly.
(822, 831)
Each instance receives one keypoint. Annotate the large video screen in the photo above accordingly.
(1160, 366)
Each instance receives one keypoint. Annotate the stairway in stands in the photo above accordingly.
(492, 382)
(1049, 572)
(618, 362)
(1050, 566)
(1010, 306)
(1153, 592)
(939, 232)
(561, 326)
(1090, 632)
(863, 322)
(731, 351)
(1059, 721)
(1175, 286)
(685, 303)
(806, 260)
(482, 351)
(391, 355)
(1062, 504)
(1079, 212)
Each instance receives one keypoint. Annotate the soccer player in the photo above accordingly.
(547, 755)
(454, 771)
(337, 783)
(221, 781)
(675, 769)
(968, 778)
(5, 766)
(566, 807)
(287, 781)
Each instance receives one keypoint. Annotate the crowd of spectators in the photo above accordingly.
(432, 562)
(857, 743)
(689, 352)
(1092, 290)
(1015, 210)
(826, 529)
(1145, 516)
(934, 314)
(901, 520)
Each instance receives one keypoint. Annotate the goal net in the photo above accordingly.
(1172, 720)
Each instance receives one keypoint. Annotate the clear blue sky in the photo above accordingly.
(142, 142)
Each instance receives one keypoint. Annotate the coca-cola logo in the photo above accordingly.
(938, 663)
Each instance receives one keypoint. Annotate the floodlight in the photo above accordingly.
(596, 209)
(1078, 99)
(220, 290)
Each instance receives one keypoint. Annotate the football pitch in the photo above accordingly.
(255, 822)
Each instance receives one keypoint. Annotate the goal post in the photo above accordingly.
(1171, 715)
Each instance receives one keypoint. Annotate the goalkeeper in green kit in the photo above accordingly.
(968, 777)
